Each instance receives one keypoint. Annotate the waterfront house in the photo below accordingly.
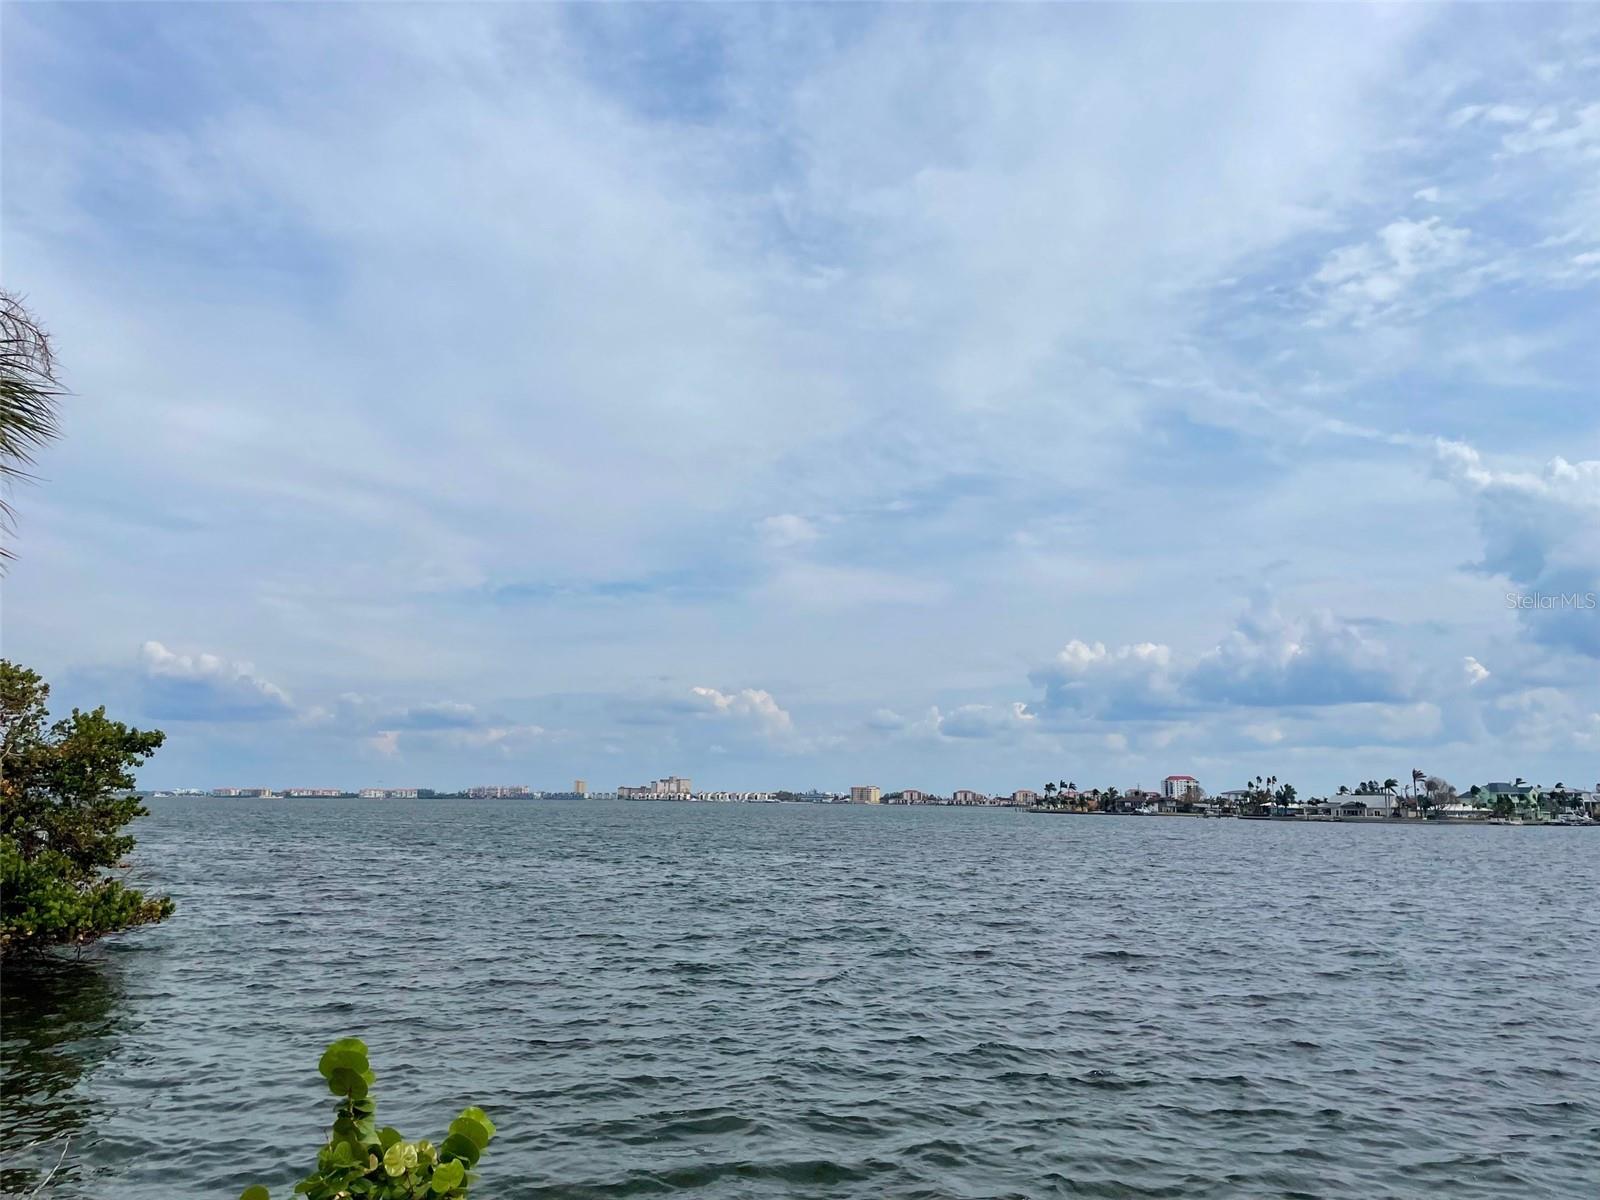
(1461, 810)
(1379, 805)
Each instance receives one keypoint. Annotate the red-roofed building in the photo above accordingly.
(1182, 787)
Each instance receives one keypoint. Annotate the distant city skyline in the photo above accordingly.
(966, 397)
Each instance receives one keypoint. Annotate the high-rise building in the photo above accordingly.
(865, 795)
(580, 787)
(1182, 788)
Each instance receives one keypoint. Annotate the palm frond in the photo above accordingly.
(30, 392)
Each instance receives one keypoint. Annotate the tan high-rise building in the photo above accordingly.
(580, 787)
(865, 795)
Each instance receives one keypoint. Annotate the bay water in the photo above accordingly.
(828, 1001)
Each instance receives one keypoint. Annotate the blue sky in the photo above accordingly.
(820, 395)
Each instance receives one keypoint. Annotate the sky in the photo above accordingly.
(792, 396)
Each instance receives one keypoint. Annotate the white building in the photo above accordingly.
(1182, 788)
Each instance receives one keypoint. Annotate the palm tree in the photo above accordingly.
(1344, 789)
(1049, 793)
(29, 392)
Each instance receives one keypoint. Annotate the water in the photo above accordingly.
(763, 1000)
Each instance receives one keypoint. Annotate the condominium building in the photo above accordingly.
(673, 787)
(865, 795)
(1181, 787)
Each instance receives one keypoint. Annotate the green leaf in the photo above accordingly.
(459, 1146)
(388, 1136)
(345, 1081)
(346, 1052)
(481, 1117)
(472, 1129)
(255, 1192)
(446, 1177)
(394, 1160)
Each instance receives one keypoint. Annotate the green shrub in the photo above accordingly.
(363, 1162)
(64, 804)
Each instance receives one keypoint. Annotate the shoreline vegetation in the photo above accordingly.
(360, 1159)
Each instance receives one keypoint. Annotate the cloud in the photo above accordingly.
(206, 687)
(1541, 532)
(1129, 681)
(986, 721)
(1315, 660)
(751, 708)
(1267, 660)
(428, 727)
(1474, 671)
(1379, 278)
(966, 723)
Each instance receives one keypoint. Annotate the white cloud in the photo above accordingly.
(1084, 677)
(1474, 670)
(1317, 659)
(1266, 660)
(207, 687)
(752, 708)
(1363, 282)
(1541, 532)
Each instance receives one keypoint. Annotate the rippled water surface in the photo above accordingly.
(765, 1000)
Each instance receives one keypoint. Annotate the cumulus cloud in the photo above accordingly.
(1266, 660)
(1541, 532)
(983, 721)
(1317, 660)
(1129, 681)
(749, 707)
(207, 687)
